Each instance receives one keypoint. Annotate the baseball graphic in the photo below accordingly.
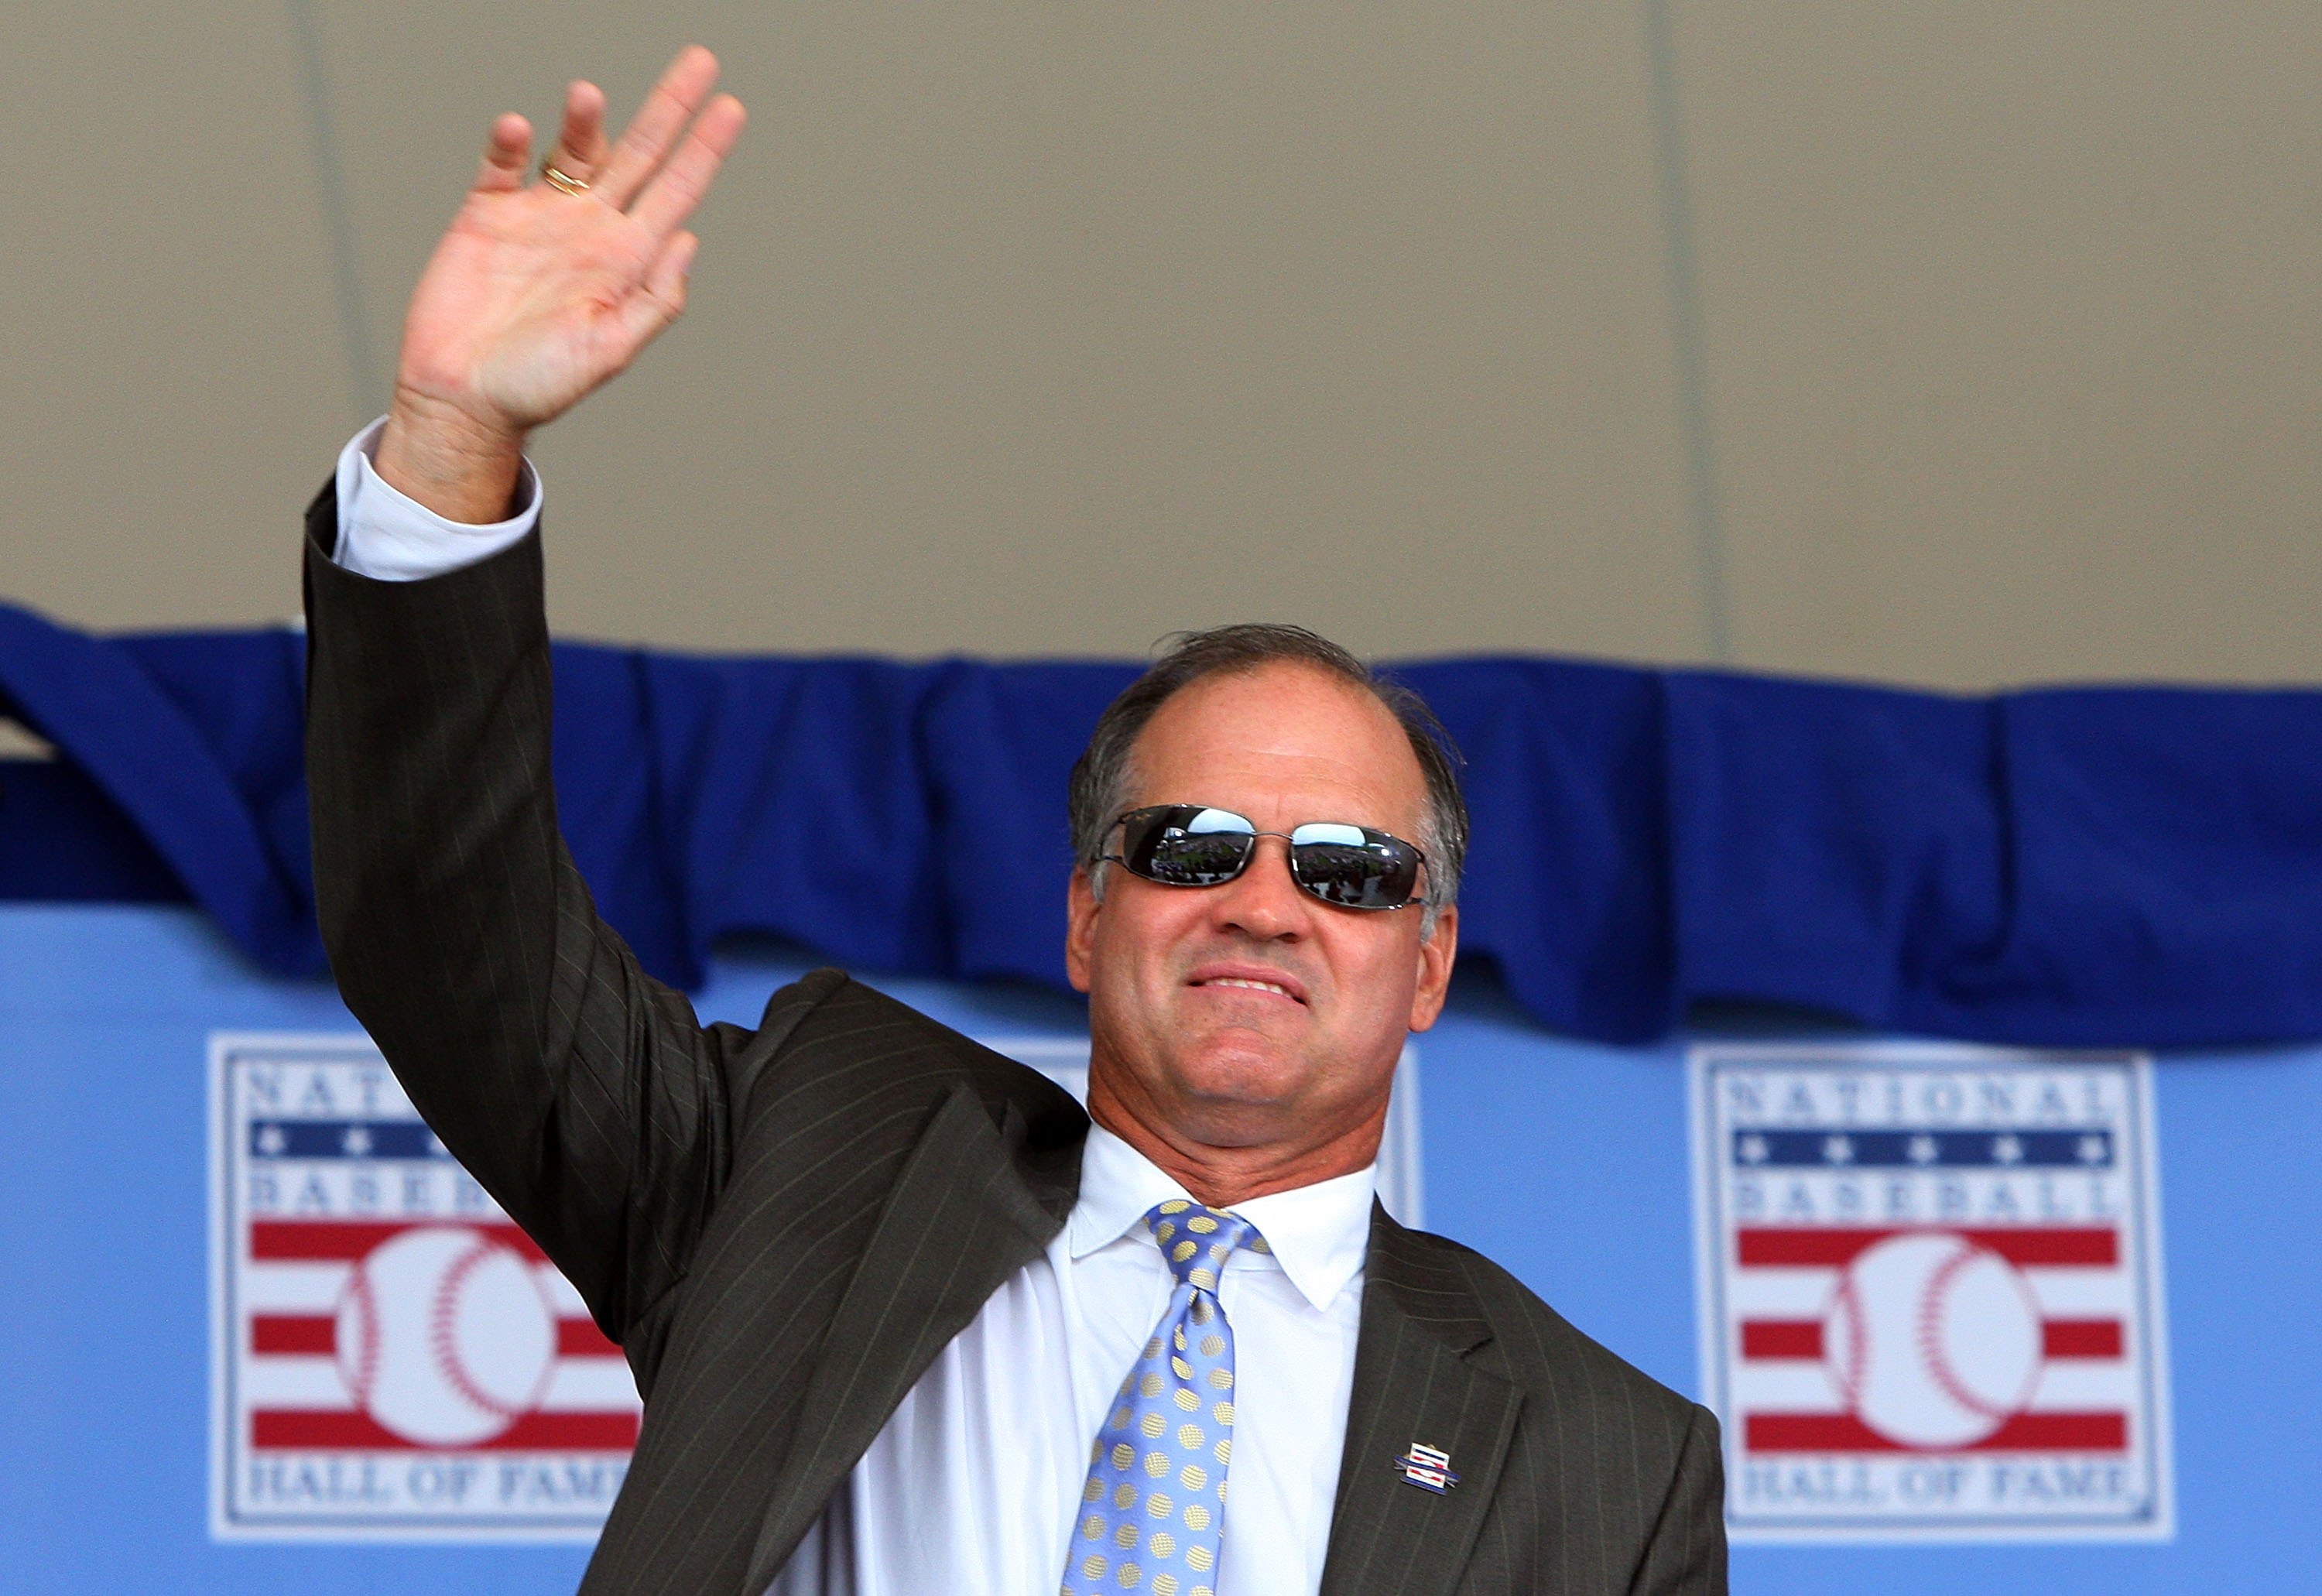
(1934, 1342)
(444, 1337)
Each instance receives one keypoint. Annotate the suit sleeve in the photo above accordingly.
(584, 1095)
(1686, 1554)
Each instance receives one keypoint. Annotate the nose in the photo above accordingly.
(1262, 902)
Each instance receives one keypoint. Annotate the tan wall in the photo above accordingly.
(1965, 344)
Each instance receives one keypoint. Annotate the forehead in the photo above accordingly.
(1283, 744)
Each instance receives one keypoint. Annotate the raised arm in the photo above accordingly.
(584, 1095)
(538, 294)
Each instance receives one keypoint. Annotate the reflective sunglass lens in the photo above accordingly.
(1185, 845)
(1353, 867)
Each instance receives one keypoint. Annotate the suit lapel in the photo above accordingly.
(960, 1221)
(1414, 1384)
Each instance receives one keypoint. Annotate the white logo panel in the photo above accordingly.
(393, 1359)
(1930, 1294)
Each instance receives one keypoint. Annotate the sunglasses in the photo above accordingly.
(1190, 845)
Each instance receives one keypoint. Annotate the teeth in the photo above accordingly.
(1255, 985)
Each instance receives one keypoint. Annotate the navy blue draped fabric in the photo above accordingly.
(2085, 866)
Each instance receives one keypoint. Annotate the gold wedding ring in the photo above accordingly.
(562, 181)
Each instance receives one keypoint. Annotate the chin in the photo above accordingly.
(1235, 1073)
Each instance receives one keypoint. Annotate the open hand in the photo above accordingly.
(536, 296)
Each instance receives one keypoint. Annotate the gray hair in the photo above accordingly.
(1102, 775)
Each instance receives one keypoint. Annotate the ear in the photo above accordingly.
(1435, 955)
(1082, 908)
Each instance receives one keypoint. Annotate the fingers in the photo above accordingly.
(678, 187)
(657, 125)
(661, 296)
(580, 143)
(508, 150)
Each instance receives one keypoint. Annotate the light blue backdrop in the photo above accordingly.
(1565, 1161)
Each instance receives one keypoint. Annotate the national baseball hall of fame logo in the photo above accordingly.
(392, 1359)
(1931, 1303)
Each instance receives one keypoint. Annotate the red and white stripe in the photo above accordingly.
(1789, 1402)
(295, 1398)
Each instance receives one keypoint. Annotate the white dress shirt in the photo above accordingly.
(975, 1483)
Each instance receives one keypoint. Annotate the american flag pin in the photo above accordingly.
(1427, 1467)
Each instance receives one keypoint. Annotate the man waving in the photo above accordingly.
(906, 1319)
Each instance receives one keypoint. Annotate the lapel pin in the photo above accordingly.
(1427, 1467)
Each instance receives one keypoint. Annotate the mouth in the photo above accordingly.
(1275, 983)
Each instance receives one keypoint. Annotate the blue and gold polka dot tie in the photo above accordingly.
(1153, 1510)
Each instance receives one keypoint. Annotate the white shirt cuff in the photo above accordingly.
(383, 534)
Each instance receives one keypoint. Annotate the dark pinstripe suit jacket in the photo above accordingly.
(783, 1225)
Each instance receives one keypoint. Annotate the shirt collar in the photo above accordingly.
(1317, 1233)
